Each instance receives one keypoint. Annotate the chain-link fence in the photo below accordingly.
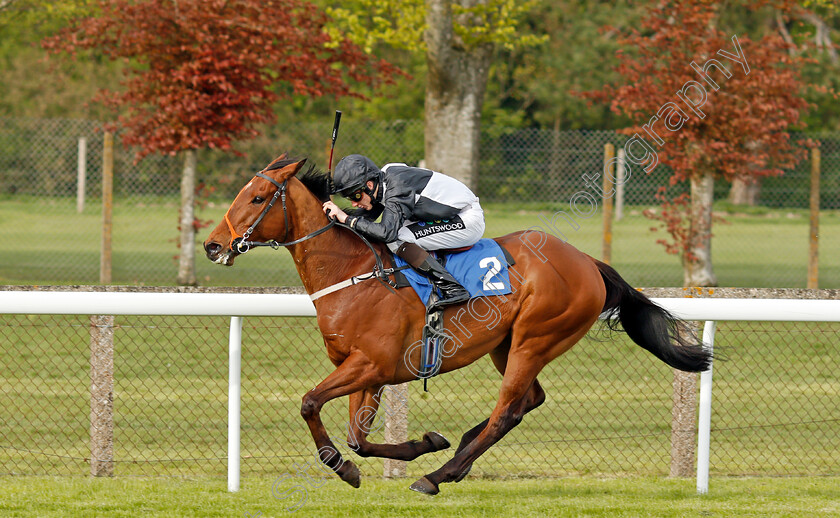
(608, 407)
(525, 176)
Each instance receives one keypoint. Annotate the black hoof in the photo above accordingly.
(425, 486)
(464, 474)
(350, 474)
(438, 441)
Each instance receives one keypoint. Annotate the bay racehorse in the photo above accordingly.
(369, 329)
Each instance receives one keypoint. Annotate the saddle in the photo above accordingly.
(404, 280)
(434, 335)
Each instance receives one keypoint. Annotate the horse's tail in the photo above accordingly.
(650, 326)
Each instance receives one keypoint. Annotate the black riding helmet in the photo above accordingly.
(352, 174)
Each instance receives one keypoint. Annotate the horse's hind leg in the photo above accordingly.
(517, 383)
(363, 409)
(535, 341)
(536, 397)
(499, 355)
(533, 398)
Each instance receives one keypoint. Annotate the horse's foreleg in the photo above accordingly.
(354, 374)
(363, 410)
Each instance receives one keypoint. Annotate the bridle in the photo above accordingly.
(240, 243)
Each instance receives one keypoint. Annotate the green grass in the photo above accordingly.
(47, 242)
(573, 497)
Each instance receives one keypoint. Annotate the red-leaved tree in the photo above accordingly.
(204, 73)
(709, 105)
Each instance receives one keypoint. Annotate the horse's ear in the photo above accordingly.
(299, 166)
(290, 170)
(280, 158)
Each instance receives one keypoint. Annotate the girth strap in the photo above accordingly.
(352, 281)
(356, 279)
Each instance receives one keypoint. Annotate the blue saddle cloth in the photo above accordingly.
(482, 270)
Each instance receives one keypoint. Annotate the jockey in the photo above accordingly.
(421, 210)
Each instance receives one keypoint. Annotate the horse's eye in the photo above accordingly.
(257, 200)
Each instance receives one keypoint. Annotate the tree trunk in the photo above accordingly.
(744, 190)
(455, 84)
(697, 260)
(186, 262)
(745, 187)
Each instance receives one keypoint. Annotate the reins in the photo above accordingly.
(241, 244)
(379, 271)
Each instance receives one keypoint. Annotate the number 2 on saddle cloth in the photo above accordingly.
(482, 270)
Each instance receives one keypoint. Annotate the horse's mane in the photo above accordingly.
(318, 182)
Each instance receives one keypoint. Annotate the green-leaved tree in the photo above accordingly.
(458, 39)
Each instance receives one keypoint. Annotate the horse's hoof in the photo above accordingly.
(464, 474)
(425, 486)
(351, 474)
(438, 441)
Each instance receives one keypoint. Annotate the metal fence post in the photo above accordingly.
(234, 401)
(704, 424)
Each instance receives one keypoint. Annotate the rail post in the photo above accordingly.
(683, 423)
(704, 420)
(608, 193)
(102, 396)
(814, 237)
(81, 175)
(619, 186)
(107, 208)
(396, 426)
(234, 402)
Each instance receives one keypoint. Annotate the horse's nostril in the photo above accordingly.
(212, 248)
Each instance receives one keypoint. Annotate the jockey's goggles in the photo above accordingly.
(355, 193)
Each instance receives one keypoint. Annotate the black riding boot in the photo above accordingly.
(421, 261)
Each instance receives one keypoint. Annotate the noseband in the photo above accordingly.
(240, 244)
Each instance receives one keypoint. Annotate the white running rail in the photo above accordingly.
(219, 304)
